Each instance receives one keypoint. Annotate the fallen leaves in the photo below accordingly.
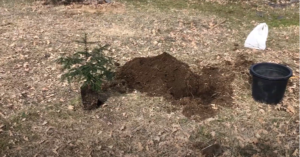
(123, 128)
(296, 152)
(256, 155)
(44, 123)
(25, 138)
(281, 135)
(290, 109)
(213, 134)
(286, 107)
(263, 131)
(55, 150)
(254, 140)
(71, 107)
(261, 111)
(45, 89)
(10, 133)
(1, 127)
(214, 106)
(124, 114)
(257, 135)
(140, 147)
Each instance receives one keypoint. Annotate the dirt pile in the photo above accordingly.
(160, 75)
(164, 75)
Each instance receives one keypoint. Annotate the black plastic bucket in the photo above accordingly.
(269, 82)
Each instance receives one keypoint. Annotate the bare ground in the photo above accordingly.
(41, 116)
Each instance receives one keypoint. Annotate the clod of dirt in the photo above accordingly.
(164, 75)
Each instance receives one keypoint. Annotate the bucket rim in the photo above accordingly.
(268, 78)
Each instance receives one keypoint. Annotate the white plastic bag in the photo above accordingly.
(258, 37)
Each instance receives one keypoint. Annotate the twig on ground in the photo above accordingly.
(217, 24)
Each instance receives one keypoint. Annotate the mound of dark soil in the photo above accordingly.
(160, 75)
(164, 75)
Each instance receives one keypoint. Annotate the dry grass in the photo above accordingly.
(42, 116)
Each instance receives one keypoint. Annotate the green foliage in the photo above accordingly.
(92, 67)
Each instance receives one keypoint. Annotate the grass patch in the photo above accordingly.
(4, 142)
(234, 11)
(4, 136)
(18, 131)
(282, 20)
(19, 122)
(13, 3)
(203, 134)
(247, 13)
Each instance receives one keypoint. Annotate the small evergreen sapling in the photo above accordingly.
(91, 67)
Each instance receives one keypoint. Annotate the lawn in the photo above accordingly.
(42, 116)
